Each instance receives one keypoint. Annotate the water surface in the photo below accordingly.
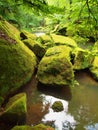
(80, 105)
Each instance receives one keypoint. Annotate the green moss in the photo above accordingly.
(25, 127)
(56, 40)
(57, 106)
(59, 40)
(15, 110)
(94, 68)
(17, 104)
(9, 29)
(55, 67)
(37, 127)
(42, 127)
(17, 65)
(81, 58)
(36, 47)
(27, 35)
(17, 61)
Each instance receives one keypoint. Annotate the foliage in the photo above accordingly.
(80, 17)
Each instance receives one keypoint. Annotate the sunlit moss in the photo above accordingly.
(94, 68)
(81, 58)
(58, 39)
(35, 46)
(15, 110)
(37, 127)
(17, 61)
(55, 67)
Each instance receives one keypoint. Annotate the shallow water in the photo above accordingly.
(80, 105)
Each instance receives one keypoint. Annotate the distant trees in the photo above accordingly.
(80, 16)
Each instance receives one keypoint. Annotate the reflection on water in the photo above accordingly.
(92, 127)
(61, 120)
(80, 105)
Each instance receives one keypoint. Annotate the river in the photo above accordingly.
(80, 104)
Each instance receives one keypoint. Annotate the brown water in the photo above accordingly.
(80, 104)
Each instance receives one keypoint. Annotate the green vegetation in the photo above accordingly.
(17, 62)
(55, 67)
(37, 127)
(15, 110)
(69, 44)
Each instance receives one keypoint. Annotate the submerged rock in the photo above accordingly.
(37, 127)
(57, 106)
(17, 61)
(15, 110)
(55, 67)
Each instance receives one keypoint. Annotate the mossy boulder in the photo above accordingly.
(55, 67)
(62, 40)
(57, 106)
(94, 68)
(46, 41)
(37, 127)
(9, 29)
(81, 59)
(36, 47)
(15, 110)
(52, 40)
(17, 61)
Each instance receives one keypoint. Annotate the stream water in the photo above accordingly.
(80, 104)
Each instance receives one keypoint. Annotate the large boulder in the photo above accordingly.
(17, 61)
(81, 59)
(56, 40)
(63, 40)
(55, 67)
(94, 68)
(37, 127)
(15, 110)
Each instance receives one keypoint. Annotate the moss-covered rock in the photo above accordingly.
(35, 46)
(27, 35)
(15, 110)
(17, 61)
(94, 65)
(57, 106)
(62, 40)
(55, 67)
(94, 68)
(37, 127)
(52, 40)
(81, 59)
(9, 29)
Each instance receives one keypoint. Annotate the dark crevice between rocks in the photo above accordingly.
(57, 91)
(23, 36)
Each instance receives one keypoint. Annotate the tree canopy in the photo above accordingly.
(79, 16)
